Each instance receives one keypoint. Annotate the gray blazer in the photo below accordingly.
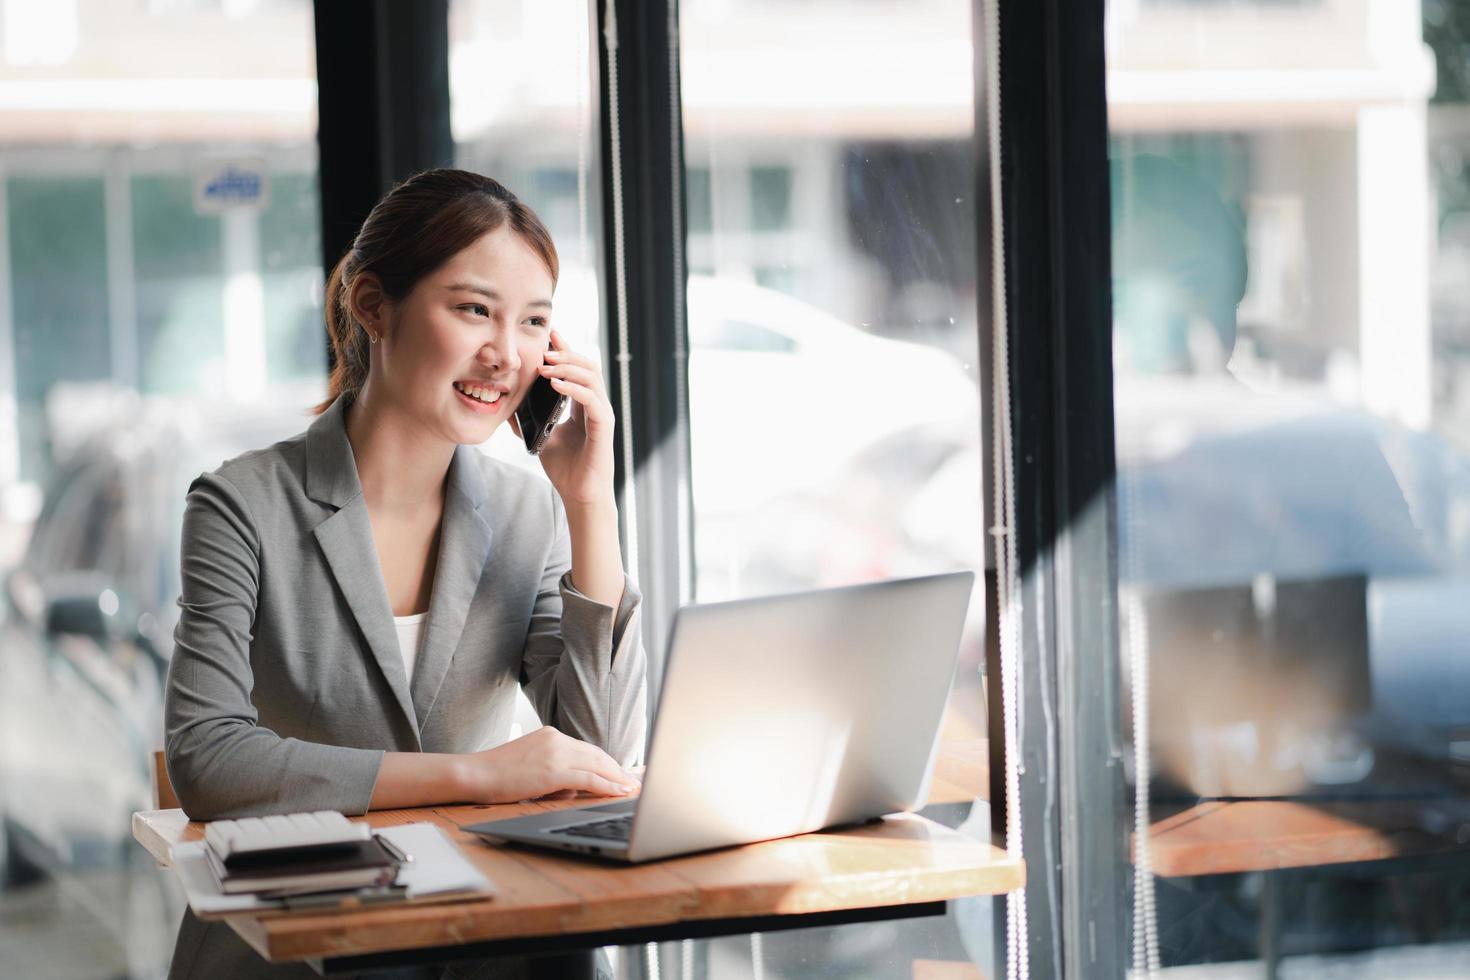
(286, 684)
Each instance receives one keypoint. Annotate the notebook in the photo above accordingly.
(250, 840)
(357, 864)
(437, 872)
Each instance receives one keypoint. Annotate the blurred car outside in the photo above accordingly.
(784, 395)
(815, 446)
(88, 617)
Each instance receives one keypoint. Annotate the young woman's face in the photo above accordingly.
(468, 340)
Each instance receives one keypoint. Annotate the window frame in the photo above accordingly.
(1056, 212)
(1055, 201)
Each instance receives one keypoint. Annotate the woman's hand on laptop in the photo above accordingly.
(543, 763)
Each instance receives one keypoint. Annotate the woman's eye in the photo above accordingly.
(477, 308)
(538, 321)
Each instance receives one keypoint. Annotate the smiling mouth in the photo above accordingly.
(484, 396)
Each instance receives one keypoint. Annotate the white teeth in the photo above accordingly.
(487, 395)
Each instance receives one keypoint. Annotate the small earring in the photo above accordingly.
(372, 338)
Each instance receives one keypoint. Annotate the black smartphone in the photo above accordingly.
(538, 412)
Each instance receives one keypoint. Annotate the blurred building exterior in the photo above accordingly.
(112, 110)
(1313, 110)
(120, 272)
(1314, 119)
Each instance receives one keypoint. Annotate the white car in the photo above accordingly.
(788, 406)
(782, 393)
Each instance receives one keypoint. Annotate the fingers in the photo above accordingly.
(578, 766)
(562, 354)
(596, 762)
(609, 769)
(579, 379)
(591, 782)
(583, 374)
(592, 401)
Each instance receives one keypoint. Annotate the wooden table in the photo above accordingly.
(1271, 835)
(903, 866)
(1277, 836)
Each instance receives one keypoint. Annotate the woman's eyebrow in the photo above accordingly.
(486, 291)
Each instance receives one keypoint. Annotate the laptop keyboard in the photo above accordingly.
(618, 828)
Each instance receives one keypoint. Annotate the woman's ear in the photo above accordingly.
(368, 303)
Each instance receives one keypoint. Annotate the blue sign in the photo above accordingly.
(227, 186)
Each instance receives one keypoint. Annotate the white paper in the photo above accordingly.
(437, 868)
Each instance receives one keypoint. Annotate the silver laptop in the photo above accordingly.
(778, 716)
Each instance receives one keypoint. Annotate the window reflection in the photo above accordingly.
(1290, 460)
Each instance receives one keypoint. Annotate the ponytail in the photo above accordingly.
(349, 342)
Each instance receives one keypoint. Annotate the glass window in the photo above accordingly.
(58, 276)
(770, 198)
(160, 273)
(1291, 430)
(734, 335)
(180, 286)
(291, 266)
(56, 544)
(832, 380)
(697, 211)
(124, 271)
(844, 265)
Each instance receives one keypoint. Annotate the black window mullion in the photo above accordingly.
(1054, 195)
(382, 106)
(652, 404)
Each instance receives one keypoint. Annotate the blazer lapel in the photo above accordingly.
(346, 539)
(464, 548)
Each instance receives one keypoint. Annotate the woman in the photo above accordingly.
(360, 602)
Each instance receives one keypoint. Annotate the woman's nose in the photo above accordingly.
(500, 353)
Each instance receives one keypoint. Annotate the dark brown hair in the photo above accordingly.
(418, 226)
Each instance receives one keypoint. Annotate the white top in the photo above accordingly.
(409, 629)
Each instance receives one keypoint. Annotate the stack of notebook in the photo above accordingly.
(298, 854)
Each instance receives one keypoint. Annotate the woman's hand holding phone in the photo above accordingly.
(578, 460)
(578, 456)
(543, 763)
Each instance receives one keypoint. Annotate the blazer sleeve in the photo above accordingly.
(220, 761)
(583, 667)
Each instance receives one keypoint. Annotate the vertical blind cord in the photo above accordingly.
(584, 128)
(1145, 915)
(1018, 960)
(622, 356)
(681, 501)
